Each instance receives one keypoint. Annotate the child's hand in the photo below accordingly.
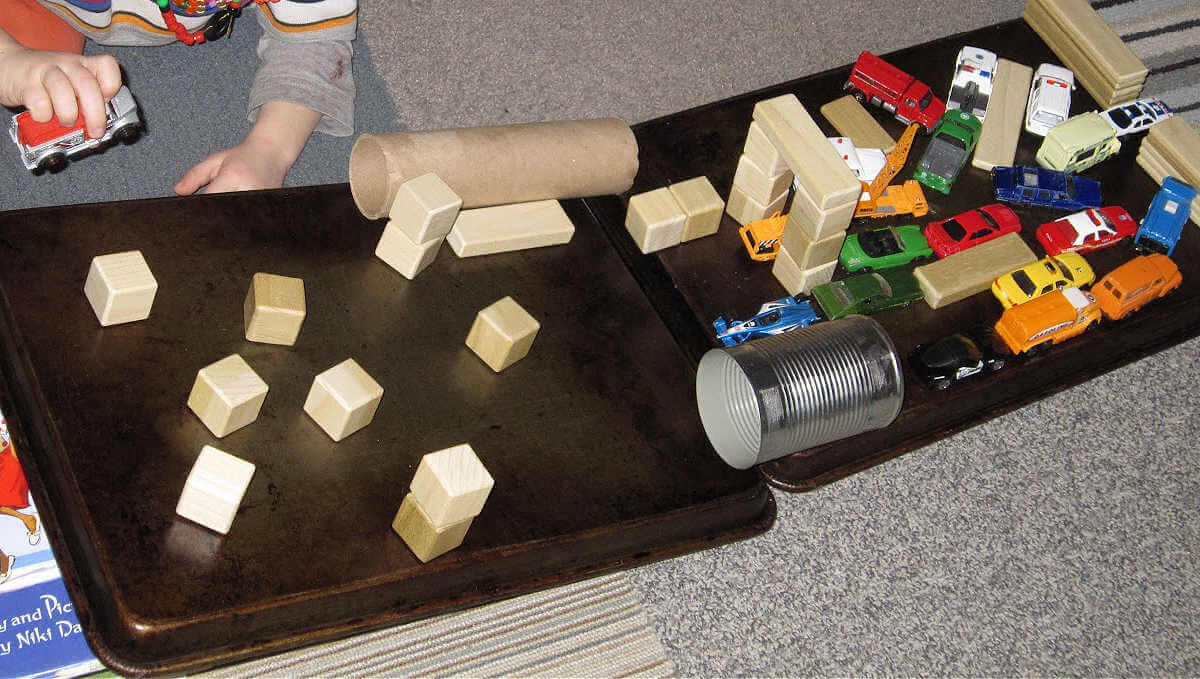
(262, 160)
(58, 84)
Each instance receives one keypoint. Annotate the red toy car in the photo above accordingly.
(971, 228)
(910, 100)
(1085, 231)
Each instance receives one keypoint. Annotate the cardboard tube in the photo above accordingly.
(497, 165)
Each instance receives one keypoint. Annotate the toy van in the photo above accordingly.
(1054, 317)
(1135, 283)
(1079, 143)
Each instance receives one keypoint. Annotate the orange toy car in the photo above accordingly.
(1042, 321)
(1135, 283)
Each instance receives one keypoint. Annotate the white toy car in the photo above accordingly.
(971, 88)
(46, 146)
(1049, 98)
(1137, 115)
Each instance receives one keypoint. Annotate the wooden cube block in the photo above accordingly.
(451, 485)
(745, 209)
(851, 120)
(809, 155)
(797, 280)
(504, 228)
(1005, 116)
(816, 223)
(763, 152)
(425, 208)
(808, 253)
(274, 309)
(401, 253)
(424, 539)
(214, 489)
(227, 395)
(971, 271)
(343, 399)
(502, 334)
(655, 220)
(120, 287)
(757, 184)
(702, 205)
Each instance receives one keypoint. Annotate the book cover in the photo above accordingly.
(40, 636)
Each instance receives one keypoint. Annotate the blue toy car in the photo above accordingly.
(1025, 185)
(773, 318)
(1165, 217)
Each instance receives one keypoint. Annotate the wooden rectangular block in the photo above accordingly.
(809, 156)
(702, 205)
(343, 399)
(797, 280)
(451, 485)
(214, 489)
(1179, 144)
(399, 251)
(745, 209)
(1005, 116)
(274, 309)
(655, 220)
(425, 208)
(227, 395)
(816, 223)
(851, 120)
(502, 333)
(810, 254)
(755, 183)
(1095, 37)
(763, 152)
(503, 228)
(120, 287)
(971, 271)
(424, 539)
(1158, 169)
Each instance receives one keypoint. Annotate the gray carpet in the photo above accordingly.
(1060, 539)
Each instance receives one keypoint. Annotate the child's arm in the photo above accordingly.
(57, 83)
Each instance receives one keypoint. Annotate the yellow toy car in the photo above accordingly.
(1065, 270)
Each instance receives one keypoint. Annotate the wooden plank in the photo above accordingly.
(1005, 116)
(852, 120)
(1094, 37)
(971, 271)
(504, 228)
(1178, 143)
(814, 161)
(1103, 85)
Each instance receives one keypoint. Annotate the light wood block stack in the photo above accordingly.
(826, 194)
(447, 492)
(674, 214)
(1102, 63)
(422, 214)
(761, 181)
(1172, 149)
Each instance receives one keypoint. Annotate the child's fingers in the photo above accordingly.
(90, 100)
(35, 98)
(106, 71)
(202, 173)
(62, 95)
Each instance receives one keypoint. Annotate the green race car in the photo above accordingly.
(884, 248)
(868, 293)
(949, 147)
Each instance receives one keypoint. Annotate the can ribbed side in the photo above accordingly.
(807, 387)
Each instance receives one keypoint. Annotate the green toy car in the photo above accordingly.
(868, 293)
(884, 248)
(951, 145)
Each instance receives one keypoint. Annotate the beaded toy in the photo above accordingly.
(220, 24)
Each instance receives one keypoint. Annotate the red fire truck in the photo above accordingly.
(910, 100)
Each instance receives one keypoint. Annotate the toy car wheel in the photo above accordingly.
(941, 385)
(55, 162)
(127, 134)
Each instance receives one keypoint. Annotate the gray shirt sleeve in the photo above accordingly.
(313, 73)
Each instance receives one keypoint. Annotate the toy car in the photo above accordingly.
(1092, 229)
(971, 228)
(46, 146)
(883, 248)
(868, 293)
(1164, 220)
(1049, 98)
(876, 81)
(1136, 283)
(1040, 187)
(1137, 115)
(1078, 143)
(1054, 317)
(954, 358)
(773, 318)
(972, 85)
(953, 140)
(1042, 277)
(761, 236)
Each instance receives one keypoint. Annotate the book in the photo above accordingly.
(40, 635)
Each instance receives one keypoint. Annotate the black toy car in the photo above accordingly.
(955, 358)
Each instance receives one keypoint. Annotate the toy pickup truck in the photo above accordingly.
(46, 146)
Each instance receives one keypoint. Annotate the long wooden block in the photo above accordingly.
(1178, 143)
(763, 152)
(1098, 40)
(852, 120)
(816, 223)
(504, 228)
(1104, 75)
(1158, 169)
(971, 271)
(745, 209)
(797, 280)
(1005, 116)
(816, 164)
(757, 184)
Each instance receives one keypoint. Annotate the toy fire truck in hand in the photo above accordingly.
(46, 146)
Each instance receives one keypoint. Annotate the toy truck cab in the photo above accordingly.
(910, 100)
(1168, 212)
(761, 237)
(46, 146)
(1042, 321)
(1079, 143)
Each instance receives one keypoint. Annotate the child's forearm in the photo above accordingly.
(284, 128)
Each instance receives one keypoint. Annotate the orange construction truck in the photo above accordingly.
(1042, 321)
